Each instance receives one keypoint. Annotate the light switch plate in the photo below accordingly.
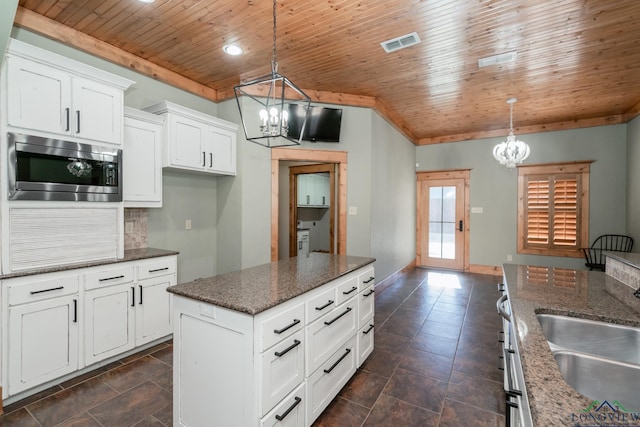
(353, 210)
(477, 210)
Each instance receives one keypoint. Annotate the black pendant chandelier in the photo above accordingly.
(264, 105)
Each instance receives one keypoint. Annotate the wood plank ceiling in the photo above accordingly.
(578, 61)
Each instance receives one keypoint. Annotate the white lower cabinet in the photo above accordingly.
(109, 322)
(42, 330)
(53, 326)
(325, 383)
(289, 413)
(281, 367)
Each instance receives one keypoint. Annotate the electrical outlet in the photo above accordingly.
(128, 227)
(353, 210)
(509, 258)
(187, 224)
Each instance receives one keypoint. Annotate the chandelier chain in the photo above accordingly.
(274, 64)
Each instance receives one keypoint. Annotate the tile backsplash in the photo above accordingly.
(135, 228)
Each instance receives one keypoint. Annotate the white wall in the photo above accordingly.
(7, 15)
(633, 181)
(393, 199)
(494, 188)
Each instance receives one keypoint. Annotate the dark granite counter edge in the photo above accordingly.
(129, 255)
(180, 290)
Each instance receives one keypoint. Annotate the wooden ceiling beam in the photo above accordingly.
(547, 127)
(54, 30)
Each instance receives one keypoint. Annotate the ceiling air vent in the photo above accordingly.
(400, 42)
(499, 59)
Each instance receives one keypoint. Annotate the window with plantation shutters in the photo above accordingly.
(553, 202)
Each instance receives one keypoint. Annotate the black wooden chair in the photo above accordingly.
(606, 243)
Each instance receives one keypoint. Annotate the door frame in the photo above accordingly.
(294, 171)
(438, 175)
(319, 156)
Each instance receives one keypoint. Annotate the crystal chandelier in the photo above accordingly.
(264, 105)
(512, 151)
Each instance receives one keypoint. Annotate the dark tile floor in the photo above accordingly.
(435, 358)
(434, 364)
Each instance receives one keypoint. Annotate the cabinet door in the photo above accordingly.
(322, 186)
(153, 309)
(109, 319)
(142, 164)
(42, 342)
(39, 97)
(186, 140)
(304, 188)
(220, 150)
(98, 111)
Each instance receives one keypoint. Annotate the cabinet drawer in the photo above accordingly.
(290, 412)
(321, 304)
(366, 305)
(156, 268)
(365, 341)
(108, 277)
(367, 278)
(282, 369)
(328, 333)
(327, 381)
(281, 325)
(29, 289)
(347, 290)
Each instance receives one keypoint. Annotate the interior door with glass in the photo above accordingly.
(442, 216)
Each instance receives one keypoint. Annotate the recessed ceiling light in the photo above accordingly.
(146, 1)
(232, 49)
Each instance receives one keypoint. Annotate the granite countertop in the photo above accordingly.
(129, 255)
(256, 289)
(578, 293)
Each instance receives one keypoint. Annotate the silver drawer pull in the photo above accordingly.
(111, 278)
(158, 269)
(285, 413)
(346, 353)
(368, 293)
(289, 326)
(355, 288)
(328, 322)
(47, 290)
(288, 349)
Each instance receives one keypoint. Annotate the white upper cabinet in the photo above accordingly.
(142, 159)
(53, 96)
(195, 141)
(313, 190)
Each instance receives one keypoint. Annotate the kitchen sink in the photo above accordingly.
(601, 379)
(617, 342)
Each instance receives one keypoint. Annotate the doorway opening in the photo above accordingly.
(443, 219)
(312, 190)
(337, 159)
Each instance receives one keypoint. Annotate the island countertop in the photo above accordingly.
(255, 289)
(578, 293)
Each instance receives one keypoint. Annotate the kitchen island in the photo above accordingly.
(273, 343)
(536, 290)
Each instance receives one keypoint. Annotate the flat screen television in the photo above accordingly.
(323, 123)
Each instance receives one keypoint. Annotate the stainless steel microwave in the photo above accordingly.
(50, 169)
